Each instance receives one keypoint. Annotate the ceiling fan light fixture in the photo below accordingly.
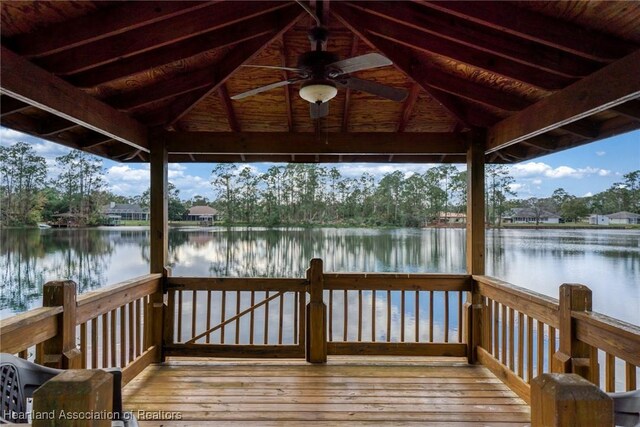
(315, 92)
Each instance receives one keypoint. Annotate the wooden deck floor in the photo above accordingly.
(361, 391)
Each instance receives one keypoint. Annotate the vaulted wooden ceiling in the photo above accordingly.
(108, 77)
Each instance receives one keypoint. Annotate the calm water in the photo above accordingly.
(607, 261)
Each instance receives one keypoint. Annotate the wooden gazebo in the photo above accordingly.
(486, 82)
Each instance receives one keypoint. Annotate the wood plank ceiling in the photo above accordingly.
(108, 76)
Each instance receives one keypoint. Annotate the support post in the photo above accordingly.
(474, 311)
(60, 351)
(316, 315)
(573, 356)
(568, 400)
(158, 238)
(64, 399)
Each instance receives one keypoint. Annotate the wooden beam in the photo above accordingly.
(408, 107)
(316, 158)
(347, 94)
(438, 45)
(362, 143)
(630, 109)
(33, 85)
(98, 25)
(613, 85)
(236, 58)
(226, 103)
(154, 35)
(475, 205)
(226, 36)
(404, 64)
(287, 88)
(159, 198)
(540, 28)
(471, 34)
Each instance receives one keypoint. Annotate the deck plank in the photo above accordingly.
(361, 391)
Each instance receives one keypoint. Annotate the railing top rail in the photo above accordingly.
(21, 331)
(397, 281)
(614, 336)
(21, 320)
(100, 301)
(530, 303)
(259, 284)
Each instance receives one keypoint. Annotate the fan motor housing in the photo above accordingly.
(316, 62)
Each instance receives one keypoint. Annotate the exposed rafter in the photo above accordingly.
(10, 106)
(226, 103)
(272, 143)
(31, 84)
(98, 25)
(630, 109)
(557, 33)
(347, 92)
(613, 85)
(287, 89)
(435, 44)
(226, 36)
(154, 36)
(470, 34)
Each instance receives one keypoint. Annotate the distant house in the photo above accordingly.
(529, 216)
(125, 211)
(451, 218)
(203, 214)
(598, 220)
(624, 218)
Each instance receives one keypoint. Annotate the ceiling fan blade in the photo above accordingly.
(374, 88)
(357, 63)
(263, 89)
(274, 67)
(318, 110)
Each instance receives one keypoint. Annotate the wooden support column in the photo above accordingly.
(316, 315)
(61, 351)
(158, 238)
(475, 240)
(573, 356)
(73, 398)
(564, 400)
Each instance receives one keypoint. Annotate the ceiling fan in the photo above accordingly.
(322, 73)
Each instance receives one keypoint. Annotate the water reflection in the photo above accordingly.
(607, 261)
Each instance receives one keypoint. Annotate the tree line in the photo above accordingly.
(292, 194)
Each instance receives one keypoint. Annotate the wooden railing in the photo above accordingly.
(524, 334)
(109, 327)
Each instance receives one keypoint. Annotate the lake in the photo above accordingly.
(608, 261)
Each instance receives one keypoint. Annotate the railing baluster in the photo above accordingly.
(373, 316)
(132, 338)
(346, 316)
(281, 318)
(488, 339)
(144, 342)
(388, 316)
(446, 316)
(540, 332)
(208, 321)
(496, 334)
(105, 341)
(194, 312)
(112, 336)
(179, 326)
(295, 318)
(138, 327)
(520, 345)
(459, 316)
(123, 337)
(610, 369)
(238, 298)
(94, 343)
(529, 348)
(630, 376)
(330, 315)
(503, 354)
(359, 315)
(552, 346)
(417, 316)
(266, 320)
(223, 314)
(511, 335)
(430, 316)
(402, 309)
(83, 344)
(251, 318)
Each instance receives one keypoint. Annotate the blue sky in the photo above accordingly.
(581, 171)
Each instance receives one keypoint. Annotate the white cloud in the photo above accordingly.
(516, 186)
(588, 194)
(536, 182)
(600, 153)
(533, 169)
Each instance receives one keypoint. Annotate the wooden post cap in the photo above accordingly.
(75, 398)
(562, 400)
